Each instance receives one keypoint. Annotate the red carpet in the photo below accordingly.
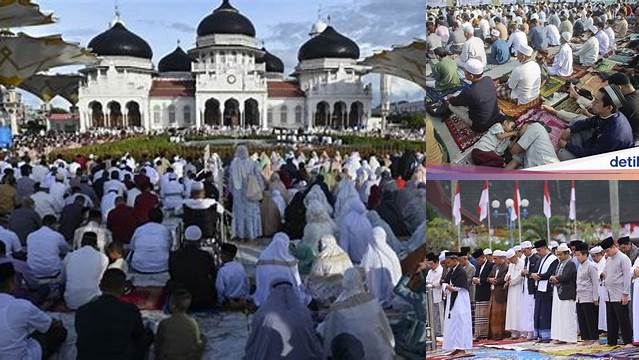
(464, 136)
(147, 298)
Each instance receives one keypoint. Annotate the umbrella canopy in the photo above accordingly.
(18, 13)
(22, 56)
(46, 87)
(407, 62)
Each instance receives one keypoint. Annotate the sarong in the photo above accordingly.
(482, 312)
(497, 321)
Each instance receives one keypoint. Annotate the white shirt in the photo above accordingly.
(484, 26)
(552, 34)
(516, 39)
(18, 320)
(433, 277)
(589, 52)
(104, 235)
(116, 185)
(10, 240)
(45, 247)
(537, 146)
(611, 36)
(474, 49)
(108, 203)
(57, 191)
(88, 203)
(45, 204)
(525, 82)
(171, 194)
(83, 269)
(131, 195)
(562, 65)
(232, 282)
(151, 244)
(604, 42)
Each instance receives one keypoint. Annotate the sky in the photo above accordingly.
(283, 26)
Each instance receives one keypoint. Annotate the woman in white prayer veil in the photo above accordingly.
(373, 163)
(383, 269)
(362, 185)
(325, 280)
(247, 222)
(358, 313)
(318, 224)
(355, 230)
(275, 262)
(344, 195)
(316, 194)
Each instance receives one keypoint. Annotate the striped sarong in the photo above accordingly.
(482, 312)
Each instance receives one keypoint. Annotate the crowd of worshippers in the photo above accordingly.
(557, 293)
(585, 33)
(81, 234)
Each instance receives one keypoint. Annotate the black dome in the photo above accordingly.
(273, 63)
(118, 41)
(329, 44)
(176, 61)
(226, 20)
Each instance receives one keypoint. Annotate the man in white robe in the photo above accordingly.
(527, 320)
(588, 53)
(458, 324)
(564, 327)
(473, 49)
(562, 64)
(599, 259)
(383, 270)
(515, 282)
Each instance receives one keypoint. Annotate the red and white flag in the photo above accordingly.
(457, 206)
(546, 200)
(483, 203)
(572, 215)
(516, 202)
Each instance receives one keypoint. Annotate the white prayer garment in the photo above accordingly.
(604, 42)
(45, 247)
(83, 270)
(232, 282)
(552, 34)
(325, 279)
(151, 244)
(517, 39)
(603, 325)
(473, 49)
(458, 329)
(525, 82)
(515, 285)
(383, 270)
(11, 241)
(564, 325)
(104, 235)
(20, 319)
(589, 53)
(562, 64)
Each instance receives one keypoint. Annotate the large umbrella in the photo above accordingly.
(46, 87)
(22, 56)
(406, 61)
(18, 13)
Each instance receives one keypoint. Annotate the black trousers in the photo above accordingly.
(587, 316)
(618, 318)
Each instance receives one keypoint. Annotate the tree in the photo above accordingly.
(414, 121)
(57, 110)
(440, 234)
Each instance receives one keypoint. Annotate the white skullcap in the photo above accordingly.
(442, 256)
(553, 244)
(488, 252)
(474, 67)
(534, 17)
(566, 36)
(526, 245)
(517, 248)
(596, 250)
(469, 29)
(563, 247)
(510, 253)
(593, 29)
(197, 186)
(525, 49)
(494, 32)
(192, 233)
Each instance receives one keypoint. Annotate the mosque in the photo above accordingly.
(228, 79)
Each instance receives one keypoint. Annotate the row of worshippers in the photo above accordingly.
(536, 292)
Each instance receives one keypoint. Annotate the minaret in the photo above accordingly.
(385, 87)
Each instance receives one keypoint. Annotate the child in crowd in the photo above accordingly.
(115, 253)
(232, 283)
(489, 150)
(178, 337)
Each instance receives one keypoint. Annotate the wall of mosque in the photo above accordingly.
(172, 112)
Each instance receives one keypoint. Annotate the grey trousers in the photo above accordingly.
(576, 139)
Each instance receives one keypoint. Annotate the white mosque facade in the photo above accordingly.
(228, 79)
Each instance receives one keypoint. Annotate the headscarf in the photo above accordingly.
(282, 328)
(355, 230)
(316, 194)
(279, 201)
(240, 166)
(382, 266)
(318, 224)
(331, 260)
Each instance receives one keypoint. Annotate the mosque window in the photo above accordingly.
(157, 114)
(269, 115)
(284, 114)
(171, 114)
(187, 114)
(298, 114)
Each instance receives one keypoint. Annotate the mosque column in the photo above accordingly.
(241, 109)
(125, 117)
(107, 118)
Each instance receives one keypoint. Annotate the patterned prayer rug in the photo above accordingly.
(621, 59)
(146, 298)
(513, 110)
(556, 125)
(433, 95)
(569, 104)
(604, 65)
(464, 136)
(577, 73)
(592, 83)
(551, 86)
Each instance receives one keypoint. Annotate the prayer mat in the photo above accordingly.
(513, 110)
(555, 124)
(577, 73)
(551, 86)
(499, 342)
(146, 298)
(464, 136)
(433, 95)
(446, 355)
(604, 65)
(621, 59)
(592, 83)
(569, 104)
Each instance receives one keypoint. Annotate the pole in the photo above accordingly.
(614, 207)
(459, 237)
(548, 228)
(490, 238)
(430, 318)
(519, 224)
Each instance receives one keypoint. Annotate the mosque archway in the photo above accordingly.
(340, 113)
(322, 114)
(97, 114)
(116, 120)
(212, 115)
(355, 116)
(133, 116)
(251, 113)
(231, 112)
